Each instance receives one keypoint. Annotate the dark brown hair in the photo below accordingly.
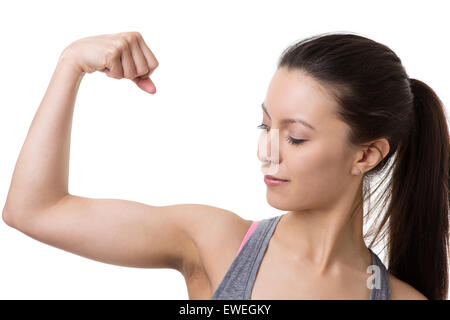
(377, 99)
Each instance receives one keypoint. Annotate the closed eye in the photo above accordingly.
(263, 126)
(289, 139)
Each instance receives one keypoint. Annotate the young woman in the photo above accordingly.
(340, 110)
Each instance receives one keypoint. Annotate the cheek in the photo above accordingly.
(317, 171)
(305, 161)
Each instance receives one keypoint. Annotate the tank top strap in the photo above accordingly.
(238, 281)
(263, 242)
(381, 289)
(248, 234)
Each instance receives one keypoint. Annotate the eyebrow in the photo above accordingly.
(296, 120)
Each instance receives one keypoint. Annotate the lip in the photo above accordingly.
(273, 181)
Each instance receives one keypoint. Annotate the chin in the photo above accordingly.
(278, 202)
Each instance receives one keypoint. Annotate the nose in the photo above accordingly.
(268, 151)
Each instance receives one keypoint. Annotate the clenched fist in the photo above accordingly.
(120, 55)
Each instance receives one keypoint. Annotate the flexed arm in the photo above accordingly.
(40, 178)
(114, 231)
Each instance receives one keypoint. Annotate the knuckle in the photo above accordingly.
(122, 35)
(130, 37)
(112, 53)
(123, 44)
(119, 44)
(138, 35)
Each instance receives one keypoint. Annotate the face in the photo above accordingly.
(319, 166)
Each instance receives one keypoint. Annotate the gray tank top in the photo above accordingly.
(238, 282)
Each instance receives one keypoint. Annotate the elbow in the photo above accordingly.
(6, 217)
(14, 215)
(9, 217)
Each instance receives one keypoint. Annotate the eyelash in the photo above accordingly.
(289, 139)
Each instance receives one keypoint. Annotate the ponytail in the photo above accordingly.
(419, 220)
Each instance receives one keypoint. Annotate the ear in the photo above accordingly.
(369, 155)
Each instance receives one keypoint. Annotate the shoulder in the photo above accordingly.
(400, 290)
(207, 223)
(215, 234)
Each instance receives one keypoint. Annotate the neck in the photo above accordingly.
(326, 239)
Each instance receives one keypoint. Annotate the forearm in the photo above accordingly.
(40, 176)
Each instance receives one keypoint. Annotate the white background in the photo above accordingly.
(195, 140)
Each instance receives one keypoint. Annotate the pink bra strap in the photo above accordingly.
(248, 234)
